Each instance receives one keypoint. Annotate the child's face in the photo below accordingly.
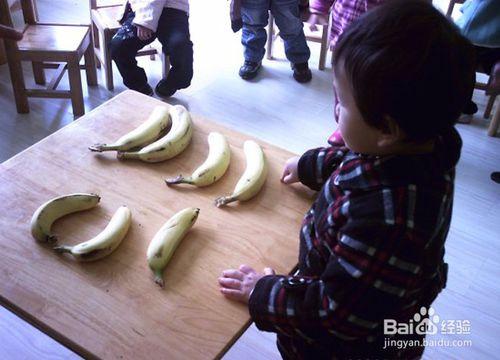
(358, 135)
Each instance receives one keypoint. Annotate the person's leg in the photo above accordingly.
(123, 48)
(286, 13)
(255, 15)
(173, 33)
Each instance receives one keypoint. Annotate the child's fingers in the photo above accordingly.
(231, 273)
(232, 294)
(288, 179)
(230, 283)
(286, 172)
(246, 269)
(269, 271)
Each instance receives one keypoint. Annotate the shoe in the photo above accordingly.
(249, 70)
(301, 72)
(146, 90)
(470, 108)
(165, 89)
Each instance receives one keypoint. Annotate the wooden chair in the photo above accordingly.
(482, 86)
(104, 16)
(323, 40)
(53, 46)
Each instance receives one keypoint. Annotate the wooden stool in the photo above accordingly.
(54, 46)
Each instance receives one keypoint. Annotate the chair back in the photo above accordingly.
(12, 17)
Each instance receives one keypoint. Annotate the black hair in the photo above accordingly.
(406, 60)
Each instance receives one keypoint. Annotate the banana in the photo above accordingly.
(167, 239)
(213, 168)
(252, 179)
(47, 213)
(147, 132)
(105, 242)
(172, 144)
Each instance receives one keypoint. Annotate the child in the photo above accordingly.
(372, 244)
(142, 22)
(255, 15)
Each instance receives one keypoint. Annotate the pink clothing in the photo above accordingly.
(344, 12)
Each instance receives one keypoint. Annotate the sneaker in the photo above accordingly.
(146, 90)
(249, 69)
(301, 72)
(165, 89)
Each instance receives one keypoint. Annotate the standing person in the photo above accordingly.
(372, 245)
(142, 22)
(480, 23)
(255, 16)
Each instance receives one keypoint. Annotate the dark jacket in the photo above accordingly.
(371, 248)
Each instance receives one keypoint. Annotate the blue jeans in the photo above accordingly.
(255, 17)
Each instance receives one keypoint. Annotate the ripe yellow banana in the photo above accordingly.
(147, 132)
(167, 239)
(213, 168)
(47, 213)
(252, 179)
(105, 242)
(172, 144)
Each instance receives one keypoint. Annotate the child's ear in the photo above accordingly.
(390, 134)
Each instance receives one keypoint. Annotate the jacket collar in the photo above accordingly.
(358, 171)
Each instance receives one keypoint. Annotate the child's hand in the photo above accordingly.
(317, 19)
(238, 284)
(143, 33)
(291, 171)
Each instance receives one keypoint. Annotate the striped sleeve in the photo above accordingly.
(372, 267)
(316, 165)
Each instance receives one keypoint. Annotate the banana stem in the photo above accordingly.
(103, 147)
(179, 180)
(62, 249)
(224, 200)
(159, 278)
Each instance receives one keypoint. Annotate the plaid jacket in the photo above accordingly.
(371, 248)
(344, 12)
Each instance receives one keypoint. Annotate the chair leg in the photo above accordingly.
(489, 106)
(107, 65)
(165, 65)
(95, 38)
(495, 122)
(270, 37)
(38, 72)
(18, 86)
(90, 69)
(75, 87)
(324, 48)
(449, 12)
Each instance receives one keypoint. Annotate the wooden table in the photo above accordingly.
(112, 308)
